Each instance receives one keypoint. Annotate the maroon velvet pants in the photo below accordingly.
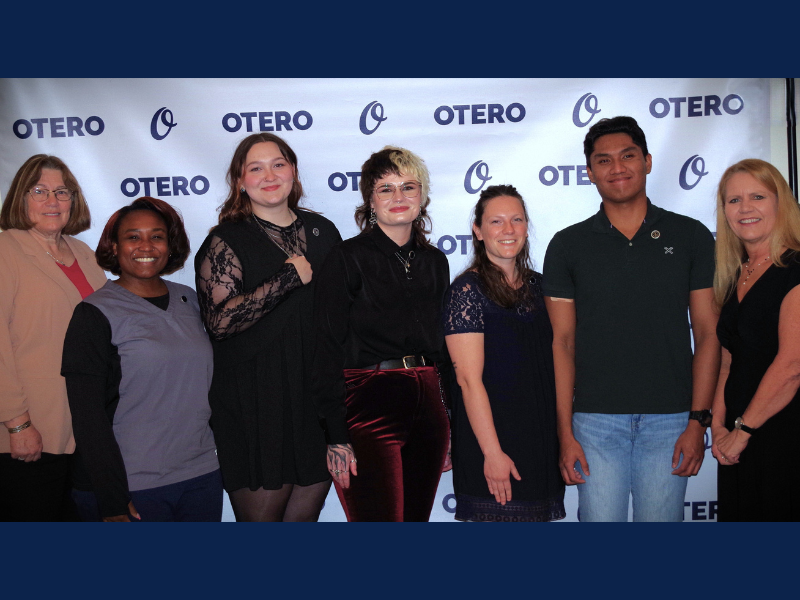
(399, 430)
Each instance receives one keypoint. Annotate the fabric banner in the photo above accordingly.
(174, 138)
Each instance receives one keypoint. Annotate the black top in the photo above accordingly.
(260, 318)
(90, 330)
(367, 310)
(633, 349)
(758, 487)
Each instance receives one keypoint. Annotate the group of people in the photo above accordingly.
(303, 360)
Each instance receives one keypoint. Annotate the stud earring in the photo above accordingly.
(242, 190)
(373, 218)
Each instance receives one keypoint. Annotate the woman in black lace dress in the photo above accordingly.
(505, 449)
(255, 279)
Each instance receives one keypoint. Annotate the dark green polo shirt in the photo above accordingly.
(632, 342)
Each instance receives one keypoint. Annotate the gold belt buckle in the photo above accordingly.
(411, 356)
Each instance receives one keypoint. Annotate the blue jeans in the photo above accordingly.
(630, 454)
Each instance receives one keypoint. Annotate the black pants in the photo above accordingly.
(38, 490)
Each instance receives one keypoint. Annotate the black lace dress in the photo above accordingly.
(259, 316)
(519, 379)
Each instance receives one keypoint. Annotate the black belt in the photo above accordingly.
(407, 362)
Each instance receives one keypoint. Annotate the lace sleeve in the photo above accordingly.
(225, 307)
(463, 311)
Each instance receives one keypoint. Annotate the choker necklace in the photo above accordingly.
(55, 259)
(406, 262)
(274, 236)
(753, 270)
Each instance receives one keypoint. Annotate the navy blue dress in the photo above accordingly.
(519, 379)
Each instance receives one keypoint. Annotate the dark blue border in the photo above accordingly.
(412, 39)
(430, 560)
(409, 560)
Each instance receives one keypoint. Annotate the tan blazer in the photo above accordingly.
(36, 304)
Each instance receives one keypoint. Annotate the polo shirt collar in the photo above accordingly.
(601, 224)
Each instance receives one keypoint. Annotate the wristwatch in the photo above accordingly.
(703, 416)
(739, 424)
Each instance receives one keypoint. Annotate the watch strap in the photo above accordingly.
(702, 416)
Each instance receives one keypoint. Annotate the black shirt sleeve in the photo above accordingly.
(332, 303)
(225, 306)
(91, 367)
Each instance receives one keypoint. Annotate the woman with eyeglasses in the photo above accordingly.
(380, 346)
(45, 273)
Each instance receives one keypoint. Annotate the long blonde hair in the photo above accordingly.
(730, 250)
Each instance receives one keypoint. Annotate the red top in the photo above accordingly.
(77, 277)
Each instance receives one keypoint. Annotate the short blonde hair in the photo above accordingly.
(394, 160)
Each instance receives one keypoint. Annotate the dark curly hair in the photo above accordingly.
(492, 278)
(177, 239)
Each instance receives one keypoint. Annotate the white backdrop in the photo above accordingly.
(173, 139)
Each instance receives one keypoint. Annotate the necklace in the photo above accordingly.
(406, 262)
(55, 259)
(275, 236)
(753, 270)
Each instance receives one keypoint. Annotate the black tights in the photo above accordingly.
(288, 503)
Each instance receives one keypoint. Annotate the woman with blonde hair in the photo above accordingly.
(756, 412)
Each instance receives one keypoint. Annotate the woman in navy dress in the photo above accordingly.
(505, 448)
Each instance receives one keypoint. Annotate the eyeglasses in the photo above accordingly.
(409, 189)
(41, 194)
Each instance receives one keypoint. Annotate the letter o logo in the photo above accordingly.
(306, 118)
(372, 110)
(99, 125)
(543, 178)
(520, 112)
(129, 182)
(450, 241)
(20, 123)
(437, 115)
(334, 186)
(698, 165)
(237, 122)
(590, 107)
(659, 114)
(726, 104)
(195, 185)
(480, 170)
